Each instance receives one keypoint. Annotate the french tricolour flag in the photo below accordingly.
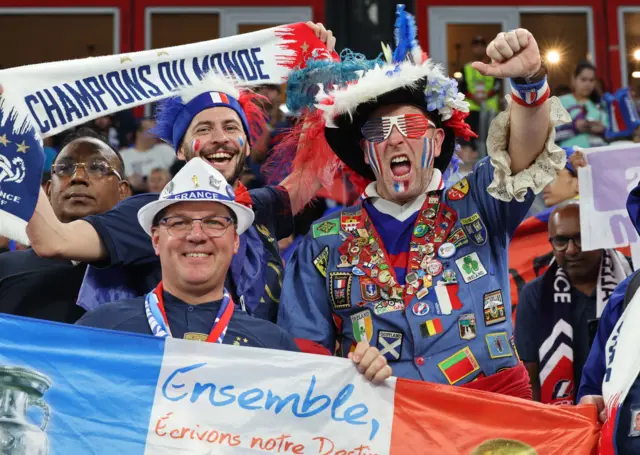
(136, 394)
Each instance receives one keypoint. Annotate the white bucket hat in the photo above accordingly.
(197, 181)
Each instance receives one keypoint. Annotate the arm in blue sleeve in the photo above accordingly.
(502, 218)
(305, 310)
(527, 322)
(272, 207)
(594, 367)
(119, 230)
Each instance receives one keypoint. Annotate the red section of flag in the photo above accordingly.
(224, 97)
(462, 420)
(608, 435)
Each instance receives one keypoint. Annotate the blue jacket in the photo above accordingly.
(324, 301)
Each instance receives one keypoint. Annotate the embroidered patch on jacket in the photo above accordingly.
(328, 227)
(340, 283)
(494, 311)
(321, 261)
(470, 267)
(390, 344)
(498, 345)
(475, 229)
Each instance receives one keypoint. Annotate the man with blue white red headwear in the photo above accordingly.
(194, 228)
(415, 269)
(214, 120)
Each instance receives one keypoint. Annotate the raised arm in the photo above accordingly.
(515, 55)
(77, 241)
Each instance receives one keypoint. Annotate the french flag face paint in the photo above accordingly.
(400, 187)
(427, 153)
(196, 146)
(374, 162)
(240, 141)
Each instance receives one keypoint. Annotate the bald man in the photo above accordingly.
(557, 309)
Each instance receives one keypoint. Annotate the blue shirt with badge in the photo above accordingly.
(428, 285)
(191, 322)
(132, 267)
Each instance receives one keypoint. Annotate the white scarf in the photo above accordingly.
(45, 99)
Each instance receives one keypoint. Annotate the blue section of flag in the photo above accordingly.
(102, 383)
(21, 162)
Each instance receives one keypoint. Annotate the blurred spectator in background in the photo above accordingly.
(104, 126)
(158, 179)
(565, 186)
(86, 180)
(126, 124)
(49, 153)
(252, 177)
(148, 153)
(556, 309)
(272, 93)
(583, 103)
(483, 95)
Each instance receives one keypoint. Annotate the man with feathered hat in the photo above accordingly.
(415, 269)
(217, 121)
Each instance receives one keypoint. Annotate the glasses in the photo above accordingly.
(561, 243)
(412, 126)
(181, 226)
(95, 169)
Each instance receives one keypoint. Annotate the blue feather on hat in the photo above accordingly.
(405, 35)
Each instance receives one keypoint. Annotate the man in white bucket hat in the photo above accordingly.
(194, 228)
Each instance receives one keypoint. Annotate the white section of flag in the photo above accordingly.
(256, 372)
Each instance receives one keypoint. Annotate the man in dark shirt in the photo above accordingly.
(557, 308)
(194, 228)
(86, 180)
(215, 121)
